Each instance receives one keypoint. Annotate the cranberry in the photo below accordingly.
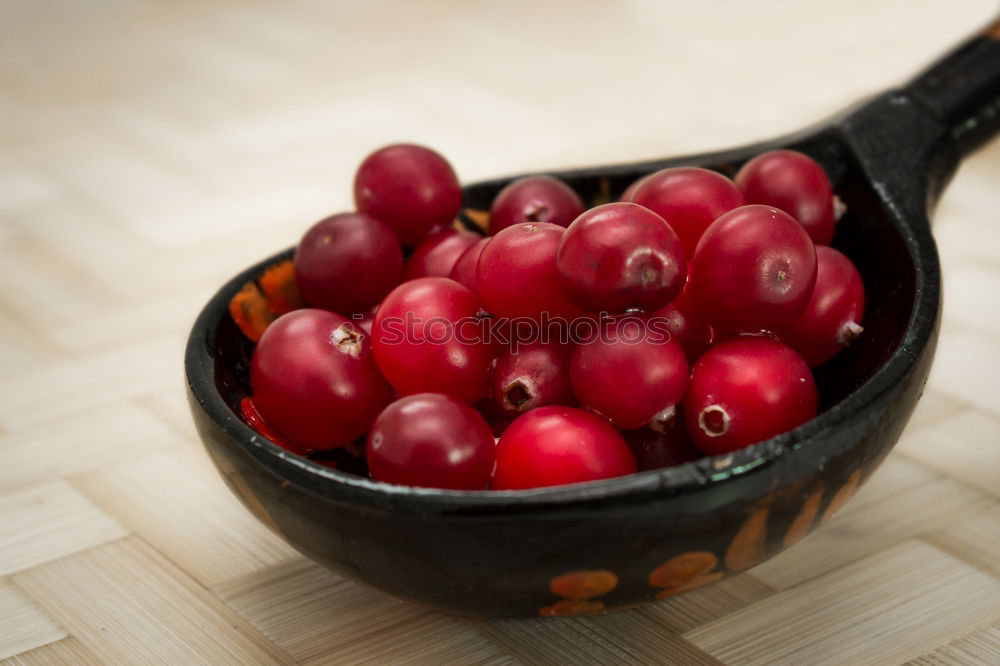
(432, 441)
(346, 263)
(620, 256)
(745, 391)
(689, 199)
(314, 379)
(553, 445)
(534, 199)
(754, 269)
(516, 275)
(671, 445)
(532, 375)
(833, 317)
(796, 184)
(464, 270)
(686, 325)
(436, 255)
(365, 321)
(429, 337)
(634, 374)
(411, 188)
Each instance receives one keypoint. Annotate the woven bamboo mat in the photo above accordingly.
(149, 150)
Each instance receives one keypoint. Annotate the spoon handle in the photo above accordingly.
(963, 89)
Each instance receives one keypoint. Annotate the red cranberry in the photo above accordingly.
(436, 255)
(833, 317)
(553, 445)
(534, 199)
(745, 391)
(620, 256)
(464, 270)
(686, 325)
(432, 441)
(655, 449)
(516, 275)
(314, 379)
(634, 374)
(754, 269)
(796, 184)
(411, 188)
(346, 263)
(429, 337)
(532, 375)
(689, 199)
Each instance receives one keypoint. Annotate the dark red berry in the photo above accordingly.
(516, 274)
(464, 270)
(630, 190)
(634, 374)
(553, 445)
(669, 446)
(437, 254)
(431, 440)
(686, 325)
(315, 381)
(689, 199)
(833, 317)
(796, 184)
(745, 391)
(532, 375)
(346, 263)
(620, 256)
(534, 199)
(754, 268)
(411, 188)
(428, 337)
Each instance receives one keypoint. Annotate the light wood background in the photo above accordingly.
(150, 150)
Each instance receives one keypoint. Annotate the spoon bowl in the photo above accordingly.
(591, 547)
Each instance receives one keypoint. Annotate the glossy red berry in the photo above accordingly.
(464, 270)
(534, 199)
(428, 337)
(553, 445)
(745, 391)
(437, 254)
(431, 440)
(411, 188)
(314, 379)
(795, 183)
(754, 268)
(833, 317)
(620, 256)
(532, 375)
(633, 374)
(516, 274)
(689, 199)
(686, 325)
(346, 263)
(669, 446)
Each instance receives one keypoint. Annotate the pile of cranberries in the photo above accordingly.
(568, 345)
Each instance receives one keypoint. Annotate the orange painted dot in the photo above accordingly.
(583, 584)
(843, 495)
(682, 568)
(804, 520)
(747, 547)
(694, 583)
(570, 607)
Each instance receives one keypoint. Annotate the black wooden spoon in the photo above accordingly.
(590, 547)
